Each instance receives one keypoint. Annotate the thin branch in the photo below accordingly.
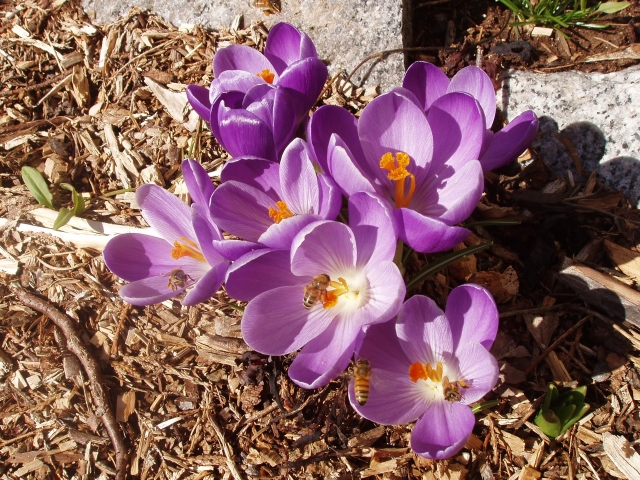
(225, 445)
(553, 346)
(91, 367)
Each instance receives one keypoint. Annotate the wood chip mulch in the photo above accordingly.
(91, 387)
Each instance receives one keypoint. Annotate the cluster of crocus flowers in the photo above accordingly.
(257, 102)
(411, 169)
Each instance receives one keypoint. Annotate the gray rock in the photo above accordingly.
(599, 113)
(344, 32)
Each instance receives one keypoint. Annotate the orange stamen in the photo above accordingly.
(339, 288)
(266, 75)
(188, 248)
(417, 371)
(280, 212)
(397, 168)
(421, 371)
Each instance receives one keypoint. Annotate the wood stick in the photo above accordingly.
(91, 367)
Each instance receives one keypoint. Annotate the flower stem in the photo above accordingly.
(397, 259)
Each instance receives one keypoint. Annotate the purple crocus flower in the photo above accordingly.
(364, 287)
(431, 365)
(183, 259)
(267, 203)
(256, 102)
(428, 83)
(424, 166)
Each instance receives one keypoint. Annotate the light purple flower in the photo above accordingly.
(366, 288)
(424, 166)
(428, 83)
(183, 259)
(267, 203)
(256, 102)
(431, 365)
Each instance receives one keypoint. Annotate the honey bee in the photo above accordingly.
(362, 374)
(269, 7)
(178, 279)
(451, 390)
(316, 291)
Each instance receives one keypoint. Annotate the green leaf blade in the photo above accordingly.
(37, 185)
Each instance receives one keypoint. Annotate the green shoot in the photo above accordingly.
(37, 185)
(560, 13)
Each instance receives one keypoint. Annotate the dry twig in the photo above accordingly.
(96, 382)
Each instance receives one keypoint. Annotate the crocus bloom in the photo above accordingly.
(428, 83)
(365, 287)
(256, 102)
(267, 203)
(424, 166)
(431, 365)
(183, 259)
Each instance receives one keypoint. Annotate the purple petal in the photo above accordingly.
(506, 145)
(281, 235)
(240, 57)
(423, 331)
(298, 179)
(457, 124)
(384, 294)
(330, 197)
(206, 233)
(148, 291)
(393, 398)
(199, 99)
(207, 286)
(304, 81)
(286, 45)
(241, 210)
(342, 166)
(329, 120)
(246, 278)
(474, 81)
(443, 430)
(426, 81)
(243, 133)
(134, 256)
(479, 369)
(393, 123)
(276, 322)
(233, 80)
(323, 247)
(198, 183)
(473, 315)
(324, 357)
(373, 226)
(427, 235)
(165, 213)
(285, 118)
(451, 199)
(224, 102)
(234, 249)
(256, 172)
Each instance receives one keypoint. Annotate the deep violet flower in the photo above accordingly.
(428, 83)
(256, 102)
(431, 365)
(183, 259)
(267, 203)
(366, 288)
(424, 166)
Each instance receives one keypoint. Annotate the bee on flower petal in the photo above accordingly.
(178, 279)
(316, 291)
(362, 374)
(451, 390)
